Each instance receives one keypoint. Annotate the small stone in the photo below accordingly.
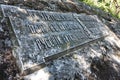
(1, 29)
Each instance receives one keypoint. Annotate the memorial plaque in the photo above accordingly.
(93, 24)
(41, 36)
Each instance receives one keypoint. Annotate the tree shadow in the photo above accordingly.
(105, 69)
(82, 64)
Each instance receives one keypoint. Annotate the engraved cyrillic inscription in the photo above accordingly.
(43, 34)
(94, 25)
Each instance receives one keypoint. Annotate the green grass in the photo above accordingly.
(111, 6)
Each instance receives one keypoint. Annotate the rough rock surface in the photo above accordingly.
(99, 61)
(8, 68)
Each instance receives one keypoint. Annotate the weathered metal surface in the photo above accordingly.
(41, 36)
